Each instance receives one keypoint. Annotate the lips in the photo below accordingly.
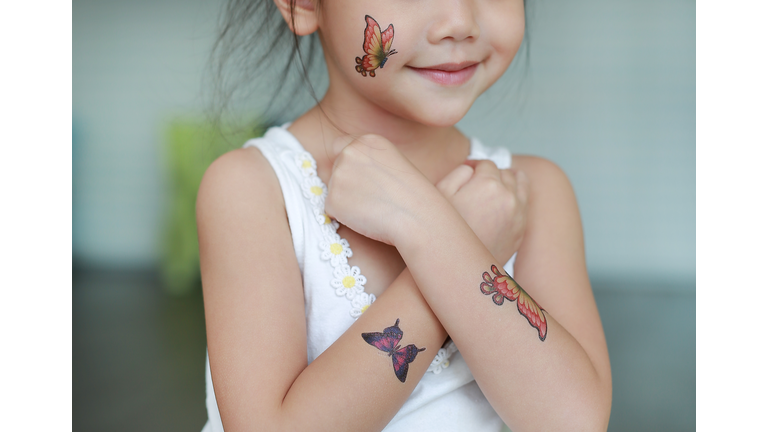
(448, 74)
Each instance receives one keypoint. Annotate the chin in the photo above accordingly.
(410, 100)
(439, 115)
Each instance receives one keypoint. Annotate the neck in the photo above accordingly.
(434, 150)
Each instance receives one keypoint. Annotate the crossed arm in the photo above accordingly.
(256, 324)
(539, 370)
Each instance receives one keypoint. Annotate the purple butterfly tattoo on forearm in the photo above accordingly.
(388, 341)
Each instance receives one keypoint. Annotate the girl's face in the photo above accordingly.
(443, 53)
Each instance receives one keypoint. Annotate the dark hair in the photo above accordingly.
(252, 38)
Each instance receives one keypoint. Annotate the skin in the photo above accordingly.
(387, 146)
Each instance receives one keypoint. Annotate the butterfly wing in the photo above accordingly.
(381, 341)
(504, 287)
(401, 358)
(527, 306)
(410, 352)
(531, 310)
(400, 365)
(386, 39)
(386, 340)
(372, 44)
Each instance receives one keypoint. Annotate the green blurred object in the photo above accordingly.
(191, 146)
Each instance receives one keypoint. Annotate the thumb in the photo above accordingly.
(457, 178)
(340, 143)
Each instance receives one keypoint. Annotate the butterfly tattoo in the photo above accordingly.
(505, 287)
(388, 341)
(376, 45)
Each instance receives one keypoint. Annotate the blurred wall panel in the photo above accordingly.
(608, 95)
(134, 65)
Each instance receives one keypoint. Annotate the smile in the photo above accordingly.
(448, 74)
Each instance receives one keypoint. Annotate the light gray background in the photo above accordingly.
(609, 96)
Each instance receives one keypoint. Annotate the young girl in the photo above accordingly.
(438, 223)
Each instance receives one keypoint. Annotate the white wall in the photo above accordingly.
(609, 96)
(135, 64)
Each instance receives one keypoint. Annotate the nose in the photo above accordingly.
(456, 19)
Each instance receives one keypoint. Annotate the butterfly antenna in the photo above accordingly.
(397, 322)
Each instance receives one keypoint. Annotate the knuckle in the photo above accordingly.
(349, 151)
(485, 163)
(371, 137)
(508, 178)
(373, 140)
(493, 186)
(510, 205)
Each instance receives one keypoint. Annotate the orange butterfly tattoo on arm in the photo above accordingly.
(505, 287)
(376, 45)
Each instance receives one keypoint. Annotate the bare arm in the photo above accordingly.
(254, 306)
(540, 370)
(551, 375)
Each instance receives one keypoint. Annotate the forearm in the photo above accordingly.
(352, 385)
(533, 384)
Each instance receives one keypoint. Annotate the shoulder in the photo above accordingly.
(236, 179)
(538, 166)
(548, 182)
(554, 221)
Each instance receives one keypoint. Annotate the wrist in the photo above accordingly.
(435, 217)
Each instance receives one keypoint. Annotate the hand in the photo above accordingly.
(493, 202)
(374, 189)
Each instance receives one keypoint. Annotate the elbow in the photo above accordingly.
(594, 413)
(587, 410)
(599, 418)
(604, 414)
(597, 401)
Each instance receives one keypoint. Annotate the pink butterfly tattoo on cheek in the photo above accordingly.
(505, 287)
(376, 45)
(388, 341)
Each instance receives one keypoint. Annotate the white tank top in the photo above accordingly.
(447, 398)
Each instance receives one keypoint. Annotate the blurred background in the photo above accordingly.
(607, 92)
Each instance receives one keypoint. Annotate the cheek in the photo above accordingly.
(343, 44)
(506, 29)
(341, 32)
(344, 27)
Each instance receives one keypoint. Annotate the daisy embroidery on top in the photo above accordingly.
(335, 249)
(306, 162)
(348, 281)
(361, 303)
(328, 225)
(314, 189)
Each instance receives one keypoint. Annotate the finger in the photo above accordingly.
(487, 168)
(457, 178)
(337, 146)
(522, 187)
(340, 143)
(509, 180)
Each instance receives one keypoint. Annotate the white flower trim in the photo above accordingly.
(348, 281)
(361, 303)
(336, 250)
(314, 190)
(442, 359)
(306, 164)
(328, 225)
